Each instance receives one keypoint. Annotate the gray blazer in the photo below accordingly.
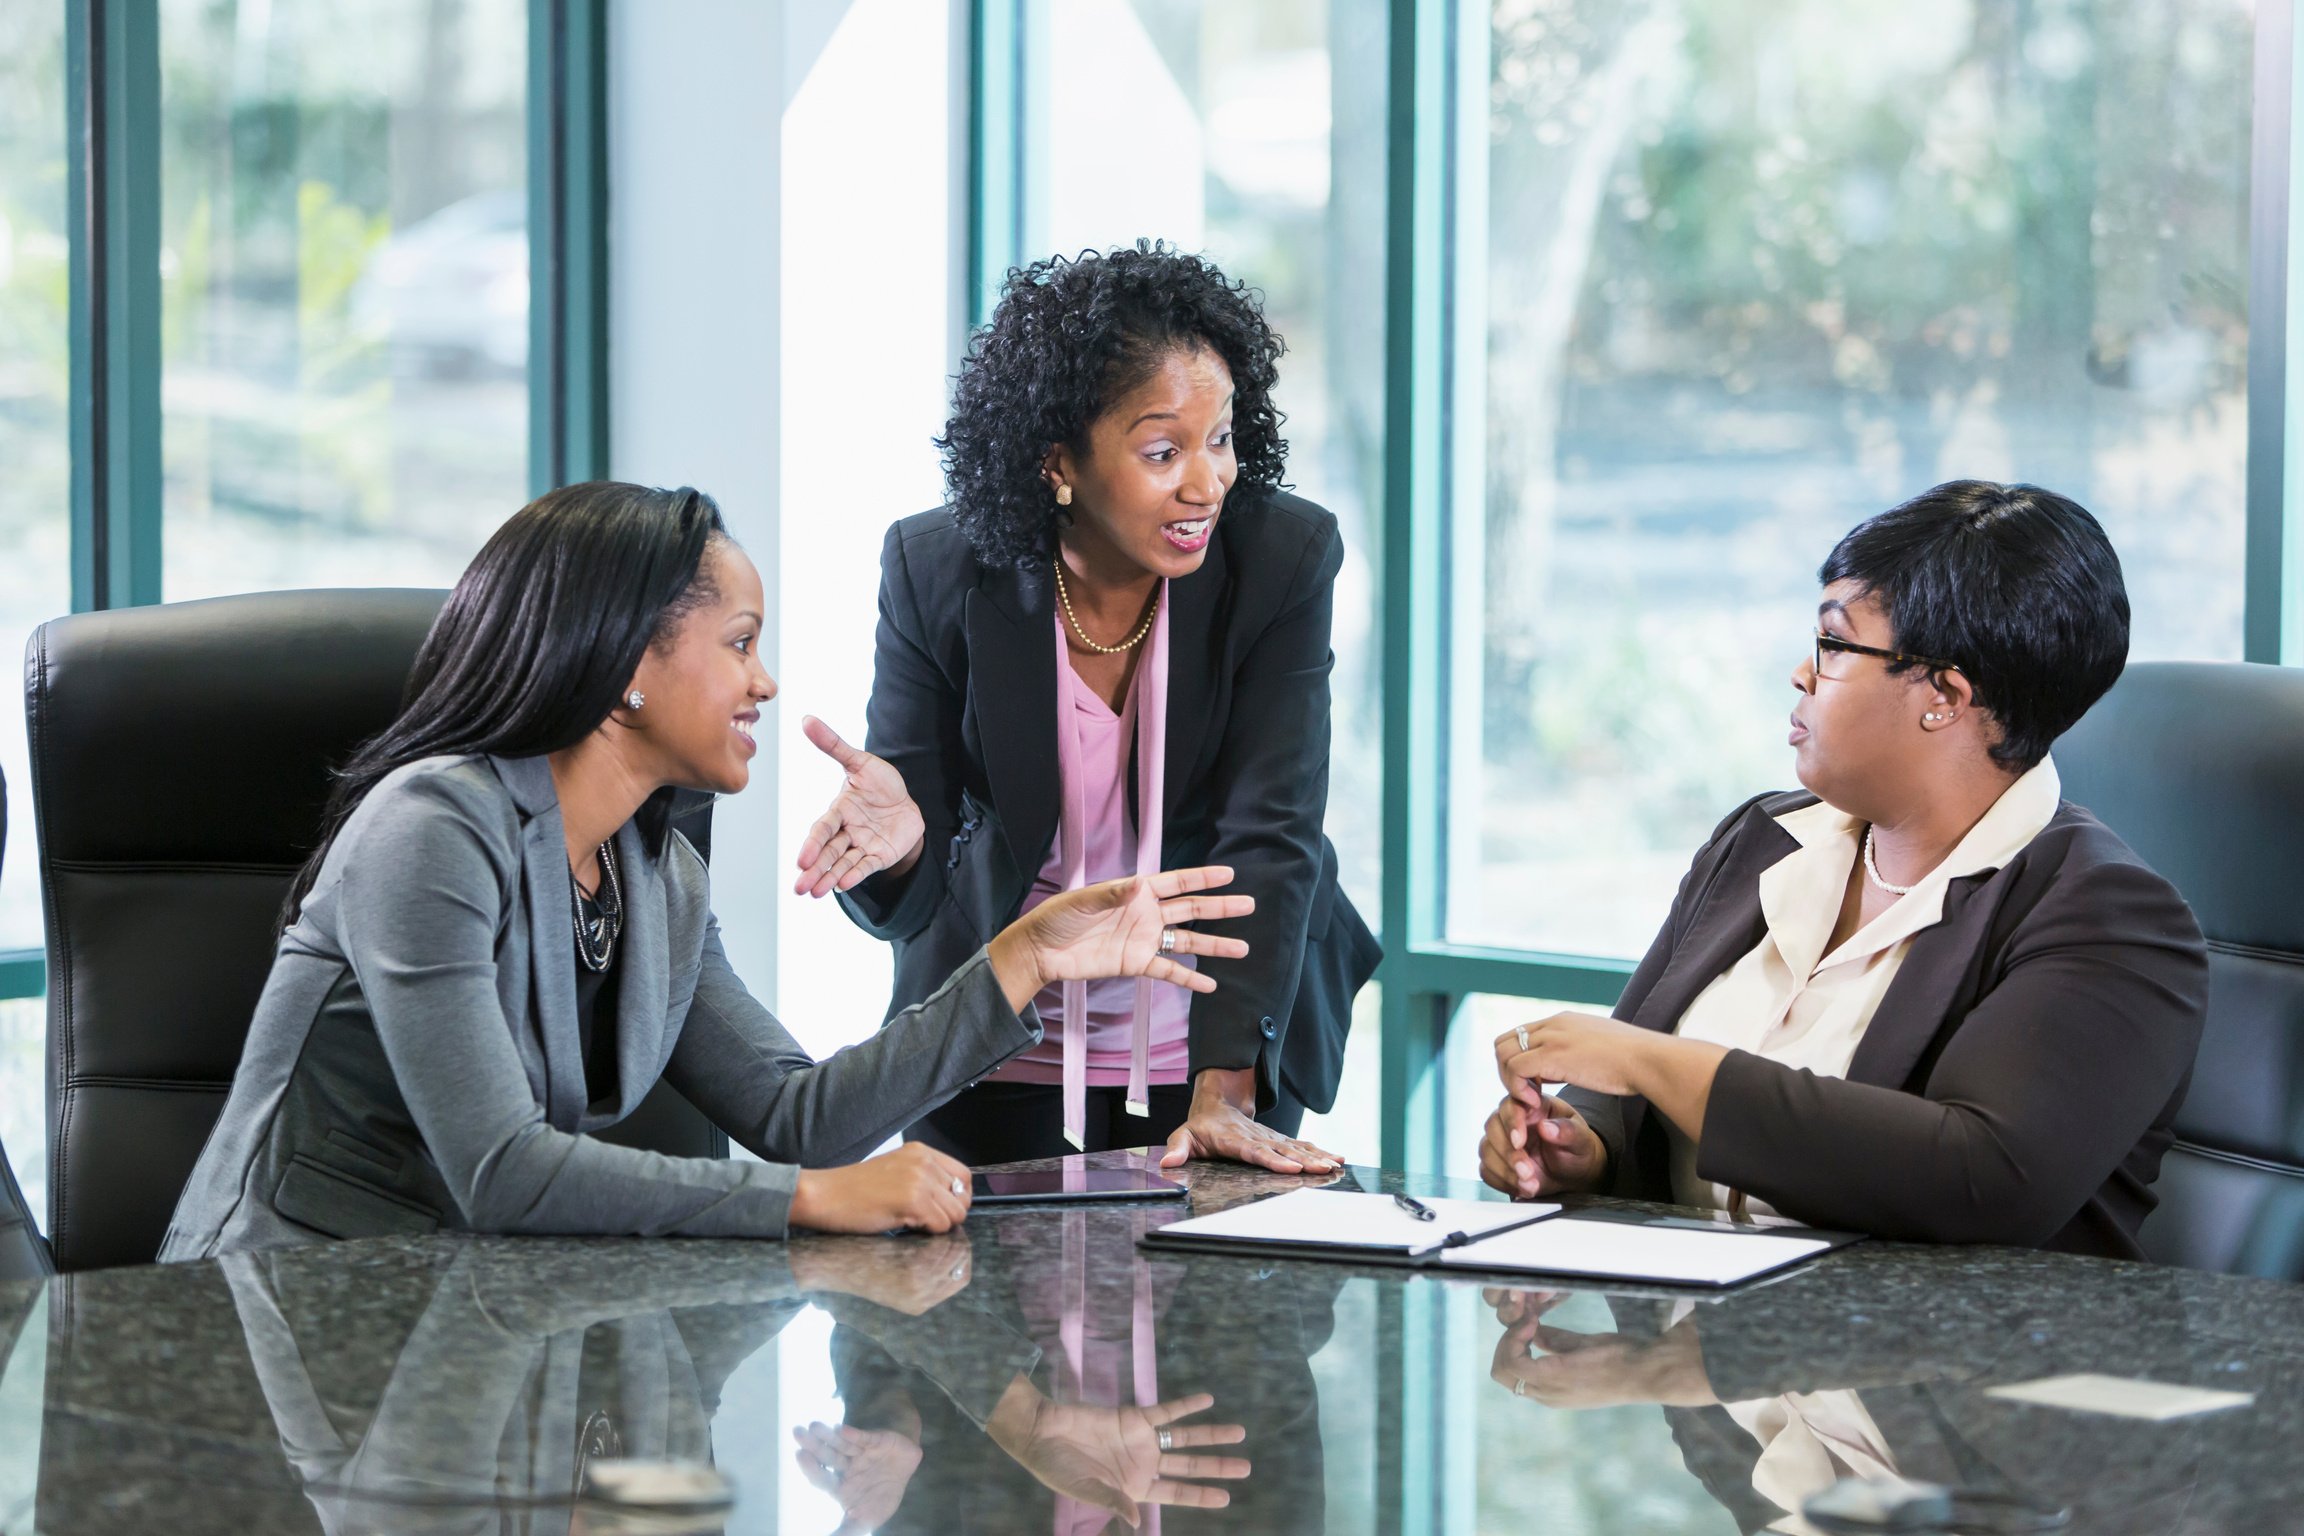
(414, 1062)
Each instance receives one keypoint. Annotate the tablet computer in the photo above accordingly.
(1054, 1184)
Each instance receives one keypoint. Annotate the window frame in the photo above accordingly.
(112, 137)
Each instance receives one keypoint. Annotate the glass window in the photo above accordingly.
(35, 372)
(1254, 134)
(344, 271)
(24, 1097)
(874, 109)
(1751, 272)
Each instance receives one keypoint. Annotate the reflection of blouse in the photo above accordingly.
(1107, 754)
(1787, 1000)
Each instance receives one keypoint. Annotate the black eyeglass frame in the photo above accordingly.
(1838, 646)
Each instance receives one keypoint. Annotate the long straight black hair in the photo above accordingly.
(540, 637)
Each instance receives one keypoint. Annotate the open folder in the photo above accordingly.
(1491, 1237)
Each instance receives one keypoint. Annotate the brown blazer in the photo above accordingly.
(2017, 1084)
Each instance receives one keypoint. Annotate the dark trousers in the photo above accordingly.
(1009, 1122)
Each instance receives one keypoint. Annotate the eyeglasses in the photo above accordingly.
(1834, 645)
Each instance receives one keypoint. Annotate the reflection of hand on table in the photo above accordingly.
(865, 1470)
(1564, 1369)
(911, 1275)
(1112, 1457)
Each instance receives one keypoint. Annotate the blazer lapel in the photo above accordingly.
(1192, 638)
(1917, 1002)
(643, 974)
(544, 880)
(1725, 927)
(1012, 693)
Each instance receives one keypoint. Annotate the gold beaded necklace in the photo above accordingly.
(1128, 644)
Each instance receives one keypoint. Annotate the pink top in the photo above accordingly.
(1094, 750)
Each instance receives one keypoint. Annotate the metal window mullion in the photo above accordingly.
(996, 169)
(112, 53)
(1414, 447)
(2272, 618)
(567, 242)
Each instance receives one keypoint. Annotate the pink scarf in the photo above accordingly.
(1147, 713)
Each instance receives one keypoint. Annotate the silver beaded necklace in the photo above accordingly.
(596, 942)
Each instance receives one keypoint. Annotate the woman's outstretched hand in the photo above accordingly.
(871, 825)
(1115, 928)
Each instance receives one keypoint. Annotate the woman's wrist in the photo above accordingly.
(904, 865)
(1015, 965)
(1235, 1086)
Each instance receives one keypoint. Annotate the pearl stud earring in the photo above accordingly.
(1063, 495)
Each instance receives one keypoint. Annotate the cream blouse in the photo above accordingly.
(1789, 1001)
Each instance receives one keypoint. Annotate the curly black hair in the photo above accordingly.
(1070, 336)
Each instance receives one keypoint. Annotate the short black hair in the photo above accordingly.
(1070, 336)
(2016, 585)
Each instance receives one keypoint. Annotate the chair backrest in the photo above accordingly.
(180, 760)
(23, 1255)
(2200, 767)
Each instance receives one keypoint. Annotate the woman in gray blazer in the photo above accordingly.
(504, 940)
(1925, 997)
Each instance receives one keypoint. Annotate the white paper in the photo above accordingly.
(1341, 1219)
(2125, 1396)
(1618, 1250)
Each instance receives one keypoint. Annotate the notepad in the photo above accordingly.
(1615, 1250)
(1490, 1236)
(1340, 1219)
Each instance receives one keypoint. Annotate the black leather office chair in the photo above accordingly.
(2200, 766)
(180, 759)
(23, 1255)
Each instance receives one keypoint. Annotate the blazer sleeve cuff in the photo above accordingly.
(1742, 1145)
(894, 907)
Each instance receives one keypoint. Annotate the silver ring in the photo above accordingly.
(1520, 1031)
(959, 1188)
(1167, 1439)
(1519, 1387)
(1167, 941)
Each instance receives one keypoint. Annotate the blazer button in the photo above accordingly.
(1270, 1029)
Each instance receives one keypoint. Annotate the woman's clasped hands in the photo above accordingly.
(1536, 1144)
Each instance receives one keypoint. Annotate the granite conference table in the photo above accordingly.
(1008, 1379)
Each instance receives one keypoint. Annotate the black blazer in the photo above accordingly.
(2018, 1083)
(964, 706)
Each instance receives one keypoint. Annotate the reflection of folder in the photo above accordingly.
(1492, 1237)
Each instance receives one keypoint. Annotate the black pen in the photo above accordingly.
(1415, 1207)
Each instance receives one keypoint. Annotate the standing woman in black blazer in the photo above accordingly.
(1117, 624)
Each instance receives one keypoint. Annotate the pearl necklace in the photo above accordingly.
(1128, 644)
(1872, 871)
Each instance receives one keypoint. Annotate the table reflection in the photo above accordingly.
(1017, 1377)
(1058, 1428)
(1765, 1417)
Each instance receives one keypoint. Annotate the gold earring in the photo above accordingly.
(1063, 495)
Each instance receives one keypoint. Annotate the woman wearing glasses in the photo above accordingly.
(1924, 998)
